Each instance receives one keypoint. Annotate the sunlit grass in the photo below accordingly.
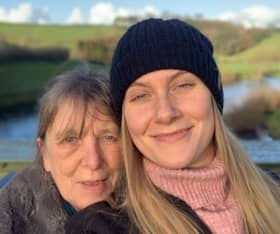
(247, 70)
(54, 35)
(266, 51)
(257, 62)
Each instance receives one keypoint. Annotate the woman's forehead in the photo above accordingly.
(72, 115)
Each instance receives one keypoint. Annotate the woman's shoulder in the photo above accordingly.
(22, 180)
(21, 191)
(15, 198)
(99, 218)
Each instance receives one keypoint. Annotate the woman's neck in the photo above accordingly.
(206, 190)
(196, 186)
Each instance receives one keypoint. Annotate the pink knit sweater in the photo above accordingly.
(206, 190)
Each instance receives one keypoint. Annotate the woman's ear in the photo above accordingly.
(41, 147)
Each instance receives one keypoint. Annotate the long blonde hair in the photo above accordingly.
(257, 194)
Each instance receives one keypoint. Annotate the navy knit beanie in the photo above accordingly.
(156, 44)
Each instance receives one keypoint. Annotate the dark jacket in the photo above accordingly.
(100, 218)
(31, 203)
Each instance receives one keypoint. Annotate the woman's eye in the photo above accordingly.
(70, 139)
(183, 85)
(110, 138)
(138, 97)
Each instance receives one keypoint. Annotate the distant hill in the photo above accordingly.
(33, 35)
(241, 53)
(261, 60)
(266, 50)
(227, 38)
(230, 38)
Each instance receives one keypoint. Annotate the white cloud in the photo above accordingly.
(124, 12)
(254, 16)
(3, 14)
(24, 13)
(102, 13)
(106, 13)
(149, 11)
(76, 17)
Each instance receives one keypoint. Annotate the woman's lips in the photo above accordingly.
(94, 185)
(172, 136)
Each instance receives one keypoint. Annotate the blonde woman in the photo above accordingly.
(184, 171)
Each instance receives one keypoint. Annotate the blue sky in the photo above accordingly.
(55, 11)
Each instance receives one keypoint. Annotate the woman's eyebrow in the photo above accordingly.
(137, 83)
(178, 74)
(60, 135)
(108, 128)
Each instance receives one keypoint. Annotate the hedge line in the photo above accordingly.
(11, 53)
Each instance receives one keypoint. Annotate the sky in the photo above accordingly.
(250, 13)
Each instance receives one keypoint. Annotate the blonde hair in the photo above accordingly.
(256, 193)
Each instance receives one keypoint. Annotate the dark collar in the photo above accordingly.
(68, 207)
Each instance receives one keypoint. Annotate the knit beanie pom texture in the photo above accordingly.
(156, 44)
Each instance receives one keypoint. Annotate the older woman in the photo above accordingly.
(77, 160)
(184, 170)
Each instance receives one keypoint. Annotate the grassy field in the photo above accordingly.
(22, 82)
(266, 50)
(54, 35)
(257, 62)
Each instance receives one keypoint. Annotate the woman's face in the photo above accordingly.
(169, 116)
(85, 167)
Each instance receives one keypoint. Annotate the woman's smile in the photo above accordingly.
(173, 136)
(95, 185)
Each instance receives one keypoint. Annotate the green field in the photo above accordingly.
(32, 35)
(254, 63)
(22, 82)
(267, 50)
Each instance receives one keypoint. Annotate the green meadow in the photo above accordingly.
(25, 80)
(258, 60)
(266, 50)
(262, 60)
(32, 35)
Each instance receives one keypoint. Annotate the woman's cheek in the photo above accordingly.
(137, 119)
(69, 165)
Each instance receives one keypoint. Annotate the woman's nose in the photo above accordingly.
(166, 109)
(93, 157)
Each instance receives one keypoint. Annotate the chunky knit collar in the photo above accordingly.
(200, 188)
